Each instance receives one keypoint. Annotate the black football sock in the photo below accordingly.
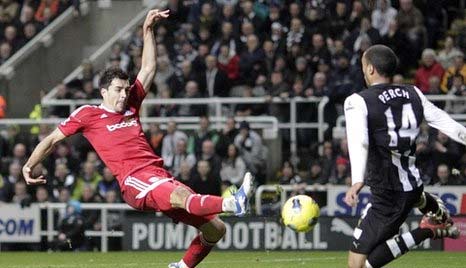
(396, 246)
(429, 203)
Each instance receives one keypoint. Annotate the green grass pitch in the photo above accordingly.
(218, 259)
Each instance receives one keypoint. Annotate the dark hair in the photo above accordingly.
(383, 59)
(110, 74)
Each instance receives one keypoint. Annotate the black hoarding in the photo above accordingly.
(147, 232)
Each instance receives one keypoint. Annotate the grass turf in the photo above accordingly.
(218, 259)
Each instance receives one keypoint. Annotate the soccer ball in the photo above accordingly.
(300, 213)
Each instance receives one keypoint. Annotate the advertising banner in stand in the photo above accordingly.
(453, 196)
(19, 224)
(147, 232)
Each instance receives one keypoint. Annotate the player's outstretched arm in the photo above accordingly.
(440, 120)
(149, 50)
(40, 152)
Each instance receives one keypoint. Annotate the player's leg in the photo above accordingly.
(380, 221)
(356, 260)
(201, 205)
(211, 229)
(401, 244)
(430, 203)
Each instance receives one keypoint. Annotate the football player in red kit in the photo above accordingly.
(114, 130)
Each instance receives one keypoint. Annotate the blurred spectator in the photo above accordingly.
(328, 160)
(95, 160)
(365, 30)
(61, 111)
(88, 91)
(115, 219)
(207, 20)
(341, 174)
(429, 68)
(338, 23)
(90, 216)
(233, 167)
(19, 156)
(226, 137)
(318, 52)
(445, 150)
(117, 52)
(164, 71)
(164, 110)
(226, 38)
(185, 175)
(315, 174)
(458, 67)
(208, 154)
(410, 20)
(29, 31)
(5, 52)
(170, 140)
(199, 136)
(288, 176)
(154, 136)
(89, 177)
(13, 38)
(382, 15)
(250, 147)
(181, 155)
(251, 60)
(277, 87)
(303, 72)
(62, 179)
(434, 88)
(203, 181)
(214, 81)
(8, 182)
(396, 39)
(444, 177)
(199, 63)
(228, 62)
(458, 88)
(21, 196)
(47, 9)
(63, 155)
(446, 56)
(108, 183)
(191, 92)
(71, 229)
(297, 34)
(8, 10)
(177, 82)
(249, 15)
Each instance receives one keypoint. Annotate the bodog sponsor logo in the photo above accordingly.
(122, 125)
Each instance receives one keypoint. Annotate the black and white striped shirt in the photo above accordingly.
(382, 124)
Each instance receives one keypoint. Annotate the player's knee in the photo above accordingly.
(178, 197)
(356, 261)
(213, 231)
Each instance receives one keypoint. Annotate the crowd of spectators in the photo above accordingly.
(21, 20)
(263, 48)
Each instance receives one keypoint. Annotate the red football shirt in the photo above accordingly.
(117, 137)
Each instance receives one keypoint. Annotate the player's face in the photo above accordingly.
(116, 95)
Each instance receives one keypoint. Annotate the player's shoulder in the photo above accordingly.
(355, 102)
(85, 110)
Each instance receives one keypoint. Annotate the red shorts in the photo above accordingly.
(149, 189)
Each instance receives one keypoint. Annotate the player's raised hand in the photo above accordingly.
(351, 198)
(30, 180)
(153, 16)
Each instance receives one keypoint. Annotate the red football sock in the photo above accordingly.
(203, 205)
(197, 251)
